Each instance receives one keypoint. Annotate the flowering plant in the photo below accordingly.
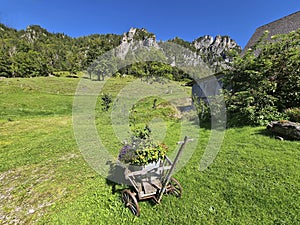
(142, 150)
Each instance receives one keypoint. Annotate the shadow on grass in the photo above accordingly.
(205, 125)
(116, 178)
(265, 132)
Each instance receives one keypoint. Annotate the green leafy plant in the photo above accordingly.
(142, 149)
(209, 109)
(203, 109)
(106, 100)
(251, 108)
(293, 114)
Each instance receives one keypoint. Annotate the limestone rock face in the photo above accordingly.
(203, 42)
(134, 39)
(285, 129)
(215, 49)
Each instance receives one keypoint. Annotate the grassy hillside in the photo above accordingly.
(255, 179)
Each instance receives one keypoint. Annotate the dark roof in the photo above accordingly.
(281, 26)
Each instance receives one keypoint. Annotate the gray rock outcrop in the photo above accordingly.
(136, 38)
(214, 50)
(285, 129)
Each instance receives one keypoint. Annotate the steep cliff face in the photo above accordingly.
(218, 44)
(215, 50)
(212, 50)
(134, 39)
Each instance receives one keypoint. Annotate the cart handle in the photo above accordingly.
(168, 177)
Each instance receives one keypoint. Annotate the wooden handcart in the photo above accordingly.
(151, 182)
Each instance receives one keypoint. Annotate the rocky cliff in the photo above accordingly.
(214, 51)
(134, 39)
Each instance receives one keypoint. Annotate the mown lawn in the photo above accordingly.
(44, 179)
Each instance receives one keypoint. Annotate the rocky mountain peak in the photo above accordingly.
(134, 39)
(34, 32)
(204, 41)
(139, 35)
(215, 50)
(219, 43)
(128, 36)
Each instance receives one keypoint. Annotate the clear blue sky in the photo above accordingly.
(187, 19)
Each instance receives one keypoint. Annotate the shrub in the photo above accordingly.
(251, 108)
(202, 108)
(265, 80)
(106, 100)
(293, 114)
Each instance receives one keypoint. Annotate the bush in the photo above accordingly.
(264, 81)
(251, 108)
(202, 108)
(106, 100)
(293, 114)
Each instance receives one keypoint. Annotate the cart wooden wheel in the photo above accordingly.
(174, 188)
(130, 201)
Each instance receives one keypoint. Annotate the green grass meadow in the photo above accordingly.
(44, 179)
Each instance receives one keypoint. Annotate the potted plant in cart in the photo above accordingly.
(142, 150)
